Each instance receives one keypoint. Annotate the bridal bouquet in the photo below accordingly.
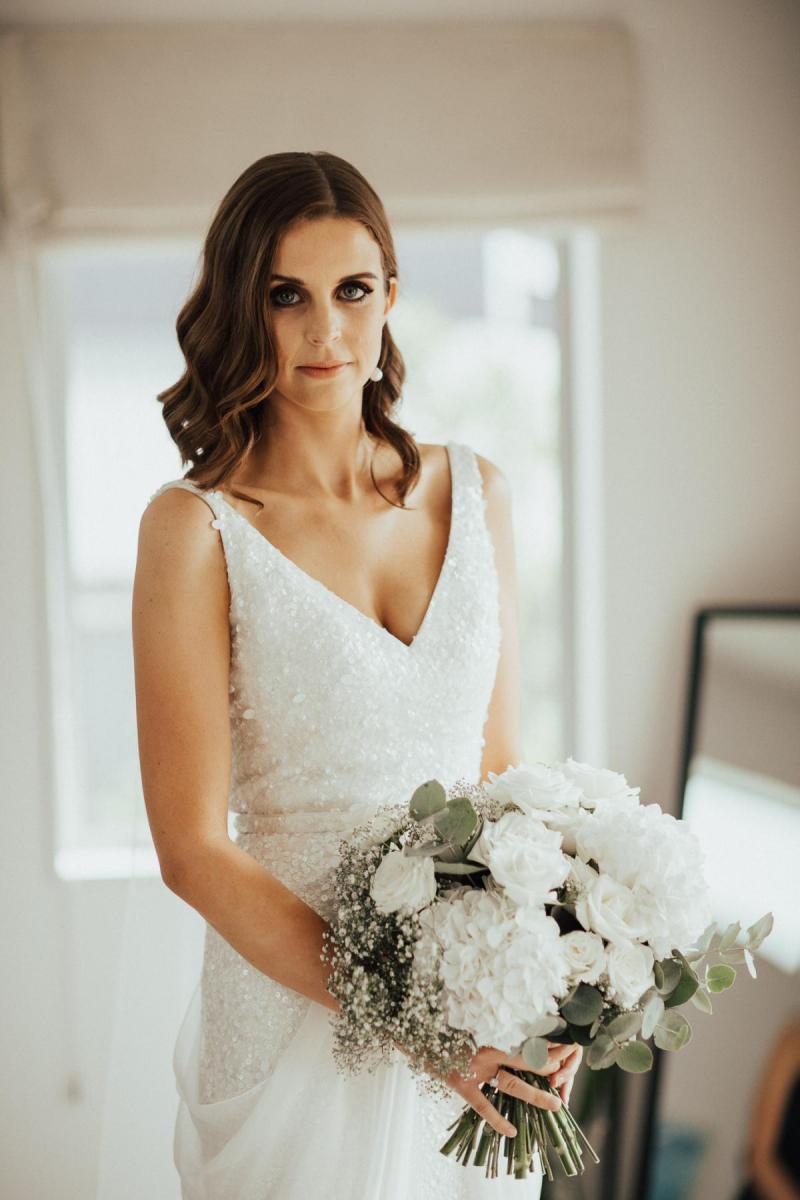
(545, 906)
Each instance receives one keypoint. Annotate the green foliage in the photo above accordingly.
(428, 798)
(457, 821)
(673, 1031)
(667, 975)
(583, 1005)
(759, 930)
(458, 868)
(729, 936)
(720, 977)
(602, 1053)
(686, 987)
(624, 1026)
(548, 1025)
(702, 1000)
(635, 1057)
(535, 1053)
(653, 1012)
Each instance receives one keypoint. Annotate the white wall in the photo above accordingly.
(701, 307)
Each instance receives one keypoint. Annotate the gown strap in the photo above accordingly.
(211, 498)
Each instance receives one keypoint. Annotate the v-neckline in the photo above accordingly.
(346, 604)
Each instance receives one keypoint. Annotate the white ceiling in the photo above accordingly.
(111, 12)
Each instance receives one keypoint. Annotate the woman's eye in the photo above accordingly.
(362, 287)
(283, 291)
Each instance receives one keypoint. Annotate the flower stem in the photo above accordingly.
(538, 1129)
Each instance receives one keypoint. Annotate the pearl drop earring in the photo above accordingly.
(376, 375)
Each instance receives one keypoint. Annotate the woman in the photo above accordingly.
(307, 646)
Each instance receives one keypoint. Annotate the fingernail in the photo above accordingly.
(511, 1130)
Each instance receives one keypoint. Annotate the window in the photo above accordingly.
(481, 320)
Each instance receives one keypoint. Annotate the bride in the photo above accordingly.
(309, 645)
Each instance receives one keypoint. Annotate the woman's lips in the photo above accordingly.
(323, 372)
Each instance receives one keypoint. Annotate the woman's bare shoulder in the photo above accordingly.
(495, 481)
(177, 540)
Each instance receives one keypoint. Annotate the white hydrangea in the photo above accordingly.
(501, 965)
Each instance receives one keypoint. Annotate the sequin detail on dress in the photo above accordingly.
(331, 715)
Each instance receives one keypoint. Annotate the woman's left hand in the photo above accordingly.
(563, 1077)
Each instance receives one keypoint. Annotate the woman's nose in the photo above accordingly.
(323, 325)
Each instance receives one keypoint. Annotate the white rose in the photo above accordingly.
(599, 784)
(610, 909)
(524, 857)
(403, 881)
(585, 956)
(536, 789)
(567, 822)
(630, 971)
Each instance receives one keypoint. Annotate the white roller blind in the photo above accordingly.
(146, 126)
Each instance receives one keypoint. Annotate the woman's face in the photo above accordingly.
(328, 305)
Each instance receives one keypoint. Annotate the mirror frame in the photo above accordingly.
(702, 619)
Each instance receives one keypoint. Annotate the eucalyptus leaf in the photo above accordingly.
(720, 977)
(735, 955)
(457, 822)
(751, 962)
(730, 935)
(427, 799)
(596, 1023)
(635, 1057)
(535, 1053)
(451, 852)
(687, 986)
(707, 937)
(624, 1026)
(673, 1031)
(671, 972)
(702, 1000)
(423, 849)
(653, 1012)
(458, 868)
(583, 1006)
(546, 1025)
(695, 955)
(474, 837)
(759, 930)
(602, 1053)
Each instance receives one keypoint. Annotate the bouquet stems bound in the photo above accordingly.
(538, 1130)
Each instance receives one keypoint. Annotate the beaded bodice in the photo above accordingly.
(331, 714)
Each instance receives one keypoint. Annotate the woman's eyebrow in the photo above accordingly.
(294, 279)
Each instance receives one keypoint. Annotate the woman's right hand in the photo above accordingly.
(488, 1062)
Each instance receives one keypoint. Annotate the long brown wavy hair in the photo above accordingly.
(215, 412)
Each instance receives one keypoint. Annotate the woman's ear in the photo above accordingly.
(390, 297)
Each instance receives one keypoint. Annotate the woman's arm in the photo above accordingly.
(767, 1172)
(503, 723)
(181, 649)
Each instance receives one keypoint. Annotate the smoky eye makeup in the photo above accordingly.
(283, 288)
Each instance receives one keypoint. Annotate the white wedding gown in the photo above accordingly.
(331, 715)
